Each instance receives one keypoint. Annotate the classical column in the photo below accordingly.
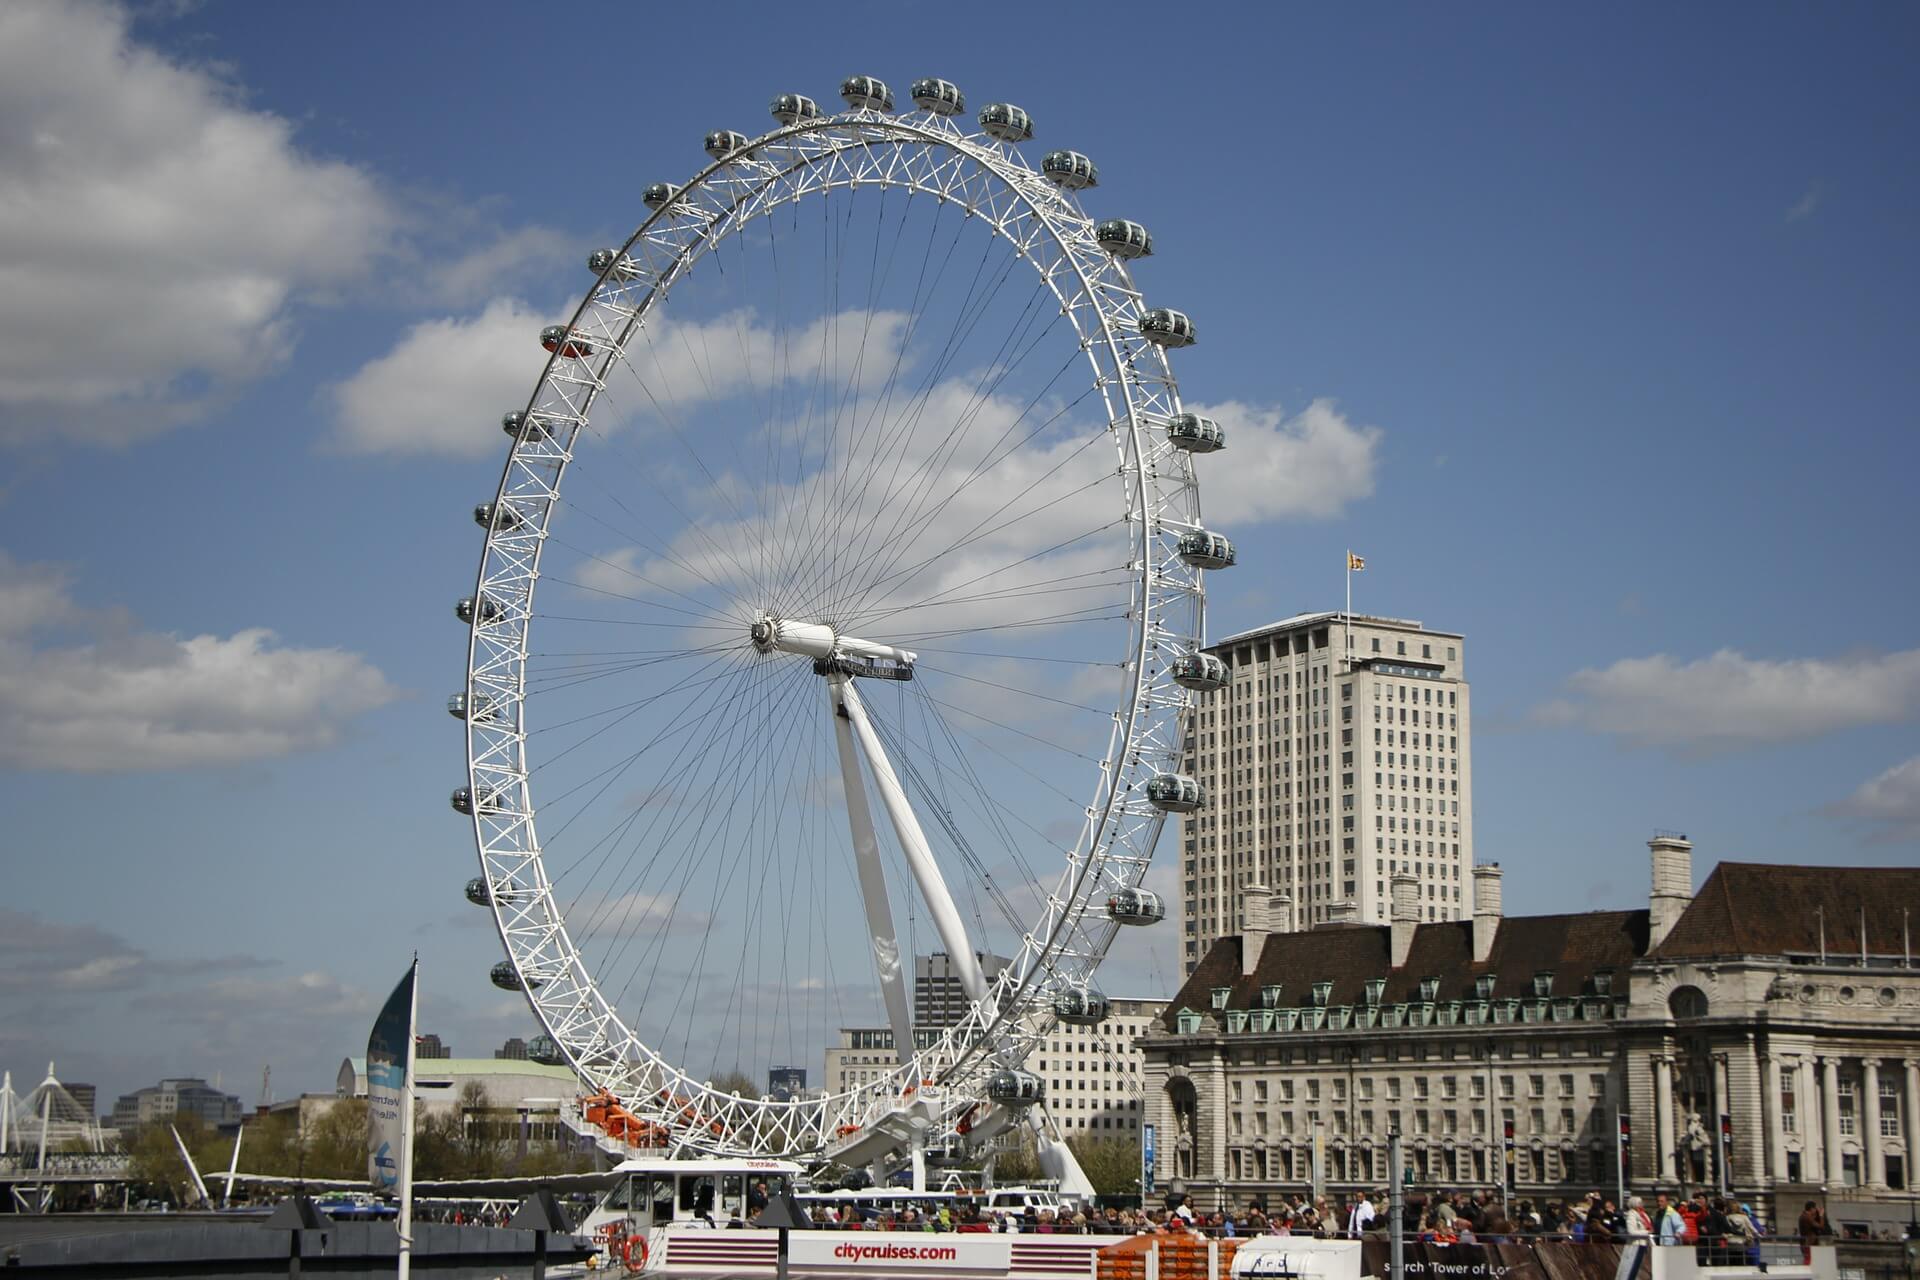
(1812, 1140)
(1663, 1118)
(1723, 1106)
(1913, 1120)
(1830, 1117)
(1776, 1126)
(1875, 1174)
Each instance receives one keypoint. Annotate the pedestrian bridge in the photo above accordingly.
(65, 1166)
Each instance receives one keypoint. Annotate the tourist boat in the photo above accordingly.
(688, 1217)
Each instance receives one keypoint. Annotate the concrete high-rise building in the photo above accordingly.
(1338, 755)
(938, 998)
(514, 1050)
(429, 1045)
(174, 1100)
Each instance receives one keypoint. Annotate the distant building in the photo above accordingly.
(938, 998)
(515, 1049)
(173, 1100)
(1339, 756)
(866, 1054)
(86, 1095)
(1093, 1074)
(510, 1083)
(786, 1083)
(430, 1046)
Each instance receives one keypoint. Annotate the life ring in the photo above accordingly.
(633, 1253)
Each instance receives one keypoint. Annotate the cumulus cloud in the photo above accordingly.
(106, 697)
(1304, 466)
(1729, 701)
(1890, 802)
(154, 232)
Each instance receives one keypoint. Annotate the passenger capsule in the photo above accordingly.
(722, 143)
(1205, 550)
(1200, 671)
(866, 93)
(498, 517)
(507, 978)
(1175, 793)
(1069, 170)
(942, 97)
(489, 609)
(792, 108)
(1195, 434)
(660, 193)
(1081, 1008)
(1166, 328)
(564, 343)
(1135, 906)
(543, 1050)
(1016, 1088)
(522, 425)
(478, 893)
(479, 710)
(1124, 239)
(462, 801)
(1006, 122)
(615, 266)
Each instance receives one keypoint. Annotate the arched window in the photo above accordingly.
(1687, 1002)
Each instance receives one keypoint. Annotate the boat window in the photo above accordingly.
(733, 1195)
(696, 1196)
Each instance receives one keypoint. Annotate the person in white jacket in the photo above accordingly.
(1639, 1225)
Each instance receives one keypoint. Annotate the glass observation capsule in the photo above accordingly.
(612, 264)
(942, 97)
(1194, 433)
(1200, 671)
(1135, 906)
(866, 93)
(1175, 793)
(1006, 122)
(544, 1050)
(462, 801)
(1204, 550)
(1070, 170)
(489, 609)
(558, 339)
(477, 892)
(1123, 239)
(528, 426)
(792, 108)
(722, 143)
(479, 710)
(660, 193)
(1165, 328)
(1015, 1088)
(498, 517)
(507, 978)
(1078, 1008)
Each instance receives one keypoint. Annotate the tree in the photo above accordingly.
(735, 1081)
(1019, 1163)
(1111, 1164)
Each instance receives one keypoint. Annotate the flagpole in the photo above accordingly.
(1349, 665)
(406, 1131)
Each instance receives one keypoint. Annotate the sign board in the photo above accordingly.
(1146, 1161)
(886, 1254)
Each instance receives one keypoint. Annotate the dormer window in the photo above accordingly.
(1483, 987)
(1270, 996)
(1543, 983)
(1189, 1022)
(1603, 982)
(1321, 991)
(1429, 988)
(1220, 995)
(1376, 987)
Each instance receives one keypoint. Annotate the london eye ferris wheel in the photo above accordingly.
(859, 474)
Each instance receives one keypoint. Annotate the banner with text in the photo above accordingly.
(389, 1062)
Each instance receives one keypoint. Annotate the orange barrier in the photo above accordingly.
(1182, 1257)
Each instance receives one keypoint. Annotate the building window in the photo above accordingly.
(1889, 1109)
(1788, 1110)
(1847, 1125)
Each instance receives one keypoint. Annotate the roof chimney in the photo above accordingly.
(1672, 884)
(1345, 911)
(1486, 909)
(1256, 924)
(1406, 915)
(1280, 913)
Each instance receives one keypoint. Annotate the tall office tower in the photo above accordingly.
(938, 998)
(1339, 754)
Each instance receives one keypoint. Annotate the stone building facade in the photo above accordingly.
(1756, 1000)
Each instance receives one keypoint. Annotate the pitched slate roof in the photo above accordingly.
(1573, 947)
(1750, 908)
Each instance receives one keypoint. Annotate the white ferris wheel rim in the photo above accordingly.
(1047, 228)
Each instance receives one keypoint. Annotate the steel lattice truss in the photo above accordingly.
(928, 155)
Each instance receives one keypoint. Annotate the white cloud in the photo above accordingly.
(113, 698)
(154, 233)
(504, 255)
(443, 387)
(1729, 701)
(1305, 467)
(1890, 801)
(1806, 205)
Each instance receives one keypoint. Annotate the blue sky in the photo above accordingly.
(1592, 330)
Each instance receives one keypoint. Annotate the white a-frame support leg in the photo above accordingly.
(913, 842)
(873, 880)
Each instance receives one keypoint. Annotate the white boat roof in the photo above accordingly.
(714, 1164)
